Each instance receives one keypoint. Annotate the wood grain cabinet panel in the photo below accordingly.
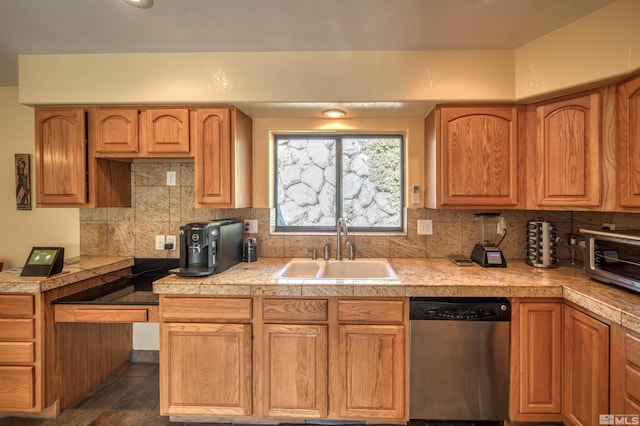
(116, 130)
(166, 131)
(222, 159)
(18, 305)
(18, 388)
(536, 374)
(371, 374)
(61, 156)
(295, 370)
(628, 152)
(472, 156)
(585, 368)
(566, 158)
(205, 369)
(12, 353)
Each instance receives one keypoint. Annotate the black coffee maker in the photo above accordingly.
(209, 247)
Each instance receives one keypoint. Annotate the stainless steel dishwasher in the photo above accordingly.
(459, 367)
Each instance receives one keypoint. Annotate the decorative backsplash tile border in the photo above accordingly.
(158, 209)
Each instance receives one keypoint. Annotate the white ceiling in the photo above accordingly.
(111, 26)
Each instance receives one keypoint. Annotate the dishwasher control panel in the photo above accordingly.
(460, 309)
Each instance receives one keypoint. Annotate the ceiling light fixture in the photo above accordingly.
(142, 4)
(334, 113)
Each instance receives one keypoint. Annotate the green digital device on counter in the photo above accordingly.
(43, 262)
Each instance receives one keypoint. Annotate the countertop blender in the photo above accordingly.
(491, 230)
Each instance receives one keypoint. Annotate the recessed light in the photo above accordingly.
(334, 113)
(142, 4)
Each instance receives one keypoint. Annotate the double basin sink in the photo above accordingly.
(360, 269)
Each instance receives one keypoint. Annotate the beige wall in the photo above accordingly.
(20, 230)
(267, 77)
(597, 47)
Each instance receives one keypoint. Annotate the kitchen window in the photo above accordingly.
(320, 177)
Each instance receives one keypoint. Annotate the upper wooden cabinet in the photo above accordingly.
(628, 153)
(564, 157)
(68, 174)
(222, 152)
(165, 131)
(472, 157)
(61, 164)
(132, 132)
(116, 130)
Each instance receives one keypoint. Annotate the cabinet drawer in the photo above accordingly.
(17, 390)
(205, 309)
(386, 311)
(17, 329)
(294, 309)
(106, 314)
(12, 353)
(19, 305)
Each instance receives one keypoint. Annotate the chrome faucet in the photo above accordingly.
(340, 227)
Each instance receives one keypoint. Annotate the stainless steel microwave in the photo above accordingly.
(613, 257)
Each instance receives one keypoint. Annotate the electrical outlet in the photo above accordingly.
(425, 227)
(159, 242)
(251, 226)
(171, 178)
(170, 242)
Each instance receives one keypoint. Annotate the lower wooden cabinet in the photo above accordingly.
(18, 388)
(304, 358)
(371, 376)
(536, 360)
(205, 369)
(625, 371)
(585, 368)
(295, 370)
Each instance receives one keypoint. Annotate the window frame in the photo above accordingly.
(339, 137)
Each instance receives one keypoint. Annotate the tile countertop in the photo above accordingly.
(75, 269)
(423, 277)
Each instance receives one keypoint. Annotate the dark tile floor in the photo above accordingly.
(130, 397)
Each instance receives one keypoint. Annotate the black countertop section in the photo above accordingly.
(135, 289)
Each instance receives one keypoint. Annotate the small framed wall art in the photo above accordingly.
(23, 182)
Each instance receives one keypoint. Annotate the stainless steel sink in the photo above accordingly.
(366, 269)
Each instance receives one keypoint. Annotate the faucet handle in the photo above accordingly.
(351, 253)
(326, 252)
(314, 254)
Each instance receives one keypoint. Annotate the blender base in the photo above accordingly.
(488, 256)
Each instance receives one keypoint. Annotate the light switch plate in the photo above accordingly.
(159, 242)
(171, 178)
(425, 227)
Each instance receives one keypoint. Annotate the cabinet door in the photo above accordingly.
(166, 131)
(628, 161)
(479, 153)
(213, 166)
(18, 388)
(585, 368)
(61, 161)
(205, 369)
(567, 156)
(371, 372)
(295, 370)
(116, 130)
(537, 360)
